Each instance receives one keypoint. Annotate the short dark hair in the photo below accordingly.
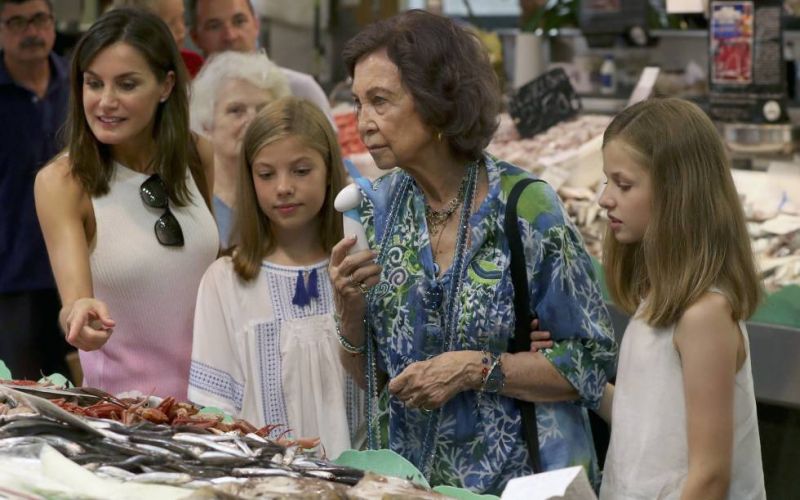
(191, 11)
(4, 2)
(446, 70)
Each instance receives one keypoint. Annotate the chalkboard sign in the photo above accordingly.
(543, 102)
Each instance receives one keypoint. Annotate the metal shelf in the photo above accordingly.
(774, 351)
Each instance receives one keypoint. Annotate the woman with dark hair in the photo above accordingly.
(122, 210)
(430, 311)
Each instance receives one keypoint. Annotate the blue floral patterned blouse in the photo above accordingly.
(477, 439)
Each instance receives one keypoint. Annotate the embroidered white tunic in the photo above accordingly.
(259, 357)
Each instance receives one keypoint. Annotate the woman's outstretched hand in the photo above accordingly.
(87, 324)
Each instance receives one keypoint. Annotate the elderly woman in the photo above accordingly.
(430, 310)
(226, 95)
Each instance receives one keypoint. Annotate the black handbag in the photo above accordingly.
(521, 341)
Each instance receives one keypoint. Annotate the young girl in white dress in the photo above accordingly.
(265, 346)
(678, 259)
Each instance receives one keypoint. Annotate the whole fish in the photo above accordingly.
(214, 445)
(173, 478)
(221, 458)
(114, 472)
(263, 471)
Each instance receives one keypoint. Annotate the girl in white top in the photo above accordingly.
(265, 345)
(677, 257)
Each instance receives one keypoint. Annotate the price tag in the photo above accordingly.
(644, 87)
(543, 102)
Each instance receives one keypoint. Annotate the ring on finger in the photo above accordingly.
(363, 288)
(350, 280)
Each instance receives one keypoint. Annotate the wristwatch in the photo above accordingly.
(495, 379)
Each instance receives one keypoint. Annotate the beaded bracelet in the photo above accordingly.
(491, 363)
(486, 360)
(346, 344)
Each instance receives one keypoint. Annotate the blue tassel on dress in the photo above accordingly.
(302, 293)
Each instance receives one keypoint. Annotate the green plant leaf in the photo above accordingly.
(385, 462)
(212, 410)
(57, 380)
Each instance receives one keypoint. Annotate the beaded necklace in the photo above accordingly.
(437, 218)
(450, 323)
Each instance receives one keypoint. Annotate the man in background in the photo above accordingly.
(33, 104)
(218, 25)
(172, 13)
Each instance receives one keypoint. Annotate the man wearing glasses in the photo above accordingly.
(33, 105)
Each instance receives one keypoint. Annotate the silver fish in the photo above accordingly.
(243, 446)
(288, 457)
(228, 480)
(107, 433)
(320, 474)
(114, 472)
(258, 438)
(263, 471)
(217, 438)
(202, 441)
(218, 458)
(174, 478)
(162, 452)
(70, 448)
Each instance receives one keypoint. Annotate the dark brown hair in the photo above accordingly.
(288, 116)
(697, 236)
(90, 159)
(444, 68)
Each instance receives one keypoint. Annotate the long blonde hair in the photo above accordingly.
(697, 237)
(283, 118)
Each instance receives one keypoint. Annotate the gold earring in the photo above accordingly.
(439, 136)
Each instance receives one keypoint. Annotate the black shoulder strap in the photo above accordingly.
(519, 275)
(523, 315)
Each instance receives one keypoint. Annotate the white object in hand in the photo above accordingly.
(346, 202)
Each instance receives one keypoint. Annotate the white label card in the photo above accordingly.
(644, 87)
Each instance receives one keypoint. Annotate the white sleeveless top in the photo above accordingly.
(648, 454)
(150, 289)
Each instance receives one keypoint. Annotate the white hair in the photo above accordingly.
(252, 67)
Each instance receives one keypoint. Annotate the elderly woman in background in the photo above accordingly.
(226, 95)
(431, 309)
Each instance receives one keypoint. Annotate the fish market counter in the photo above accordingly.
(79, 443)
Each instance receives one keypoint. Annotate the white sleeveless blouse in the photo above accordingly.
(648, 454)
(150, 289)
